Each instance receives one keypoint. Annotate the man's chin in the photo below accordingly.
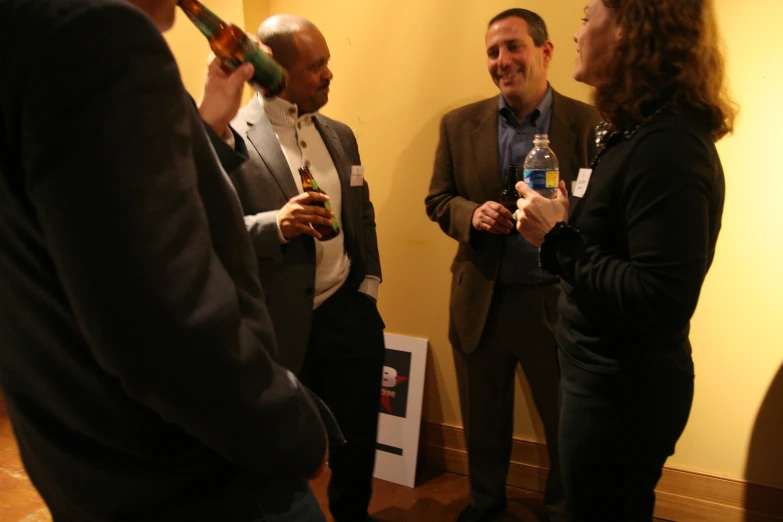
(165, 27)
(161, 12)
(323, 99)
(509, 92)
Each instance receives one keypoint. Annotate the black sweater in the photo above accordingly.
(647, 227)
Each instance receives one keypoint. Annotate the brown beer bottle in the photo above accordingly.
(234, 47)
(309, 184)
(509, 194)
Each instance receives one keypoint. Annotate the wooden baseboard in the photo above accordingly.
(682, 496)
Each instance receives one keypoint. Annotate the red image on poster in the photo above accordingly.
(394, 386)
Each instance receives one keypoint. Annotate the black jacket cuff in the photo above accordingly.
(562, 245)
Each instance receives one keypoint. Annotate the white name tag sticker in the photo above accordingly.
(357, 176)
(582, 180)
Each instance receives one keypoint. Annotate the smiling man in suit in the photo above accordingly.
(503, 306)
(321, 293)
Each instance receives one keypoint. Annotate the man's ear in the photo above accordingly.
(264, 48)
(548, 49)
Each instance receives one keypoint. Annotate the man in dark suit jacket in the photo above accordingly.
(137, 351)
(321, 294)
(503, 307)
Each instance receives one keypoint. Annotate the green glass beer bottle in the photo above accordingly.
(233, 47)
(309, 184)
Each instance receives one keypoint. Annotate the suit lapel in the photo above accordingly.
(342, 164)
(562, 137)
(486, 149)
(261, 134)
(336, 151)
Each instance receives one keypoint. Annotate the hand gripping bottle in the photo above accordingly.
(310, 185)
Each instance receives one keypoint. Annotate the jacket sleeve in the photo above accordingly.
(111, 176)
(452, 212)
(262, 227)
(265, 235)
(372, 256)
(666, 210)
(230, 158)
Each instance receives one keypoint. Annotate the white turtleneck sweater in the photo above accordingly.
(302, 145)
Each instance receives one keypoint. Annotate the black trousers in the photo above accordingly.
(344, 366)
(617, 428)
(519, 331)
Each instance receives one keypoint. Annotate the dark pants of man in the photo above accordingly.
(617, 428)
(519, 330)
(344, 366)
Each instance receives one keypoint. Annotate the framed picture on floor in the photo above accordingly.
(399, 422)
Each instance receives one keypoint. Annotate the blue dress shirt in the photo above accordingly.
(519, 265)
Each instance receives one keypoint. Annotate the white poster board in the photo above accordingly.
(399, 422)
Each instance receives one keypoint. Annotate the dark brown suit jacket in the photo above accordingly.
(467, 174)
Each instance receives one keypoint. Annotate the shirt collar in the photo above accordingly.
(283, 113)
(541, 110)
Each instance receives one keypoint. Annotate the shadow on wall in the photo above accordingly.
(417, 255)
(764, 469)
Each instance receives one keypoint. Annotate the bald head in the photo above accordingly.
(301, 48)
(278, 33)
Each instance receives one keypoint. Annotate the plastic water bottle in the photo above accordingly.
(542, 171)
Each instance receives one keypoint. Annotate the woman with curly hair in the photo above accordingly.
(635, 249)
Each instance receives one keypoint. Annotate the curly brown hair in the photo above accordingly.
(667, 54)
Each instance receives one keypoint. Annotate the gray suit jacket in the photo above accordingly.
(264, 184)
(467, 174)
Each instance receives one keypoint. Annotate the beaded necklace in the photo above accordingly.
(606, 136)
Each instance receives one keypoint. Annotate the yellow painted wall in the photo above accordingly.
(737, 332)
(400, 65)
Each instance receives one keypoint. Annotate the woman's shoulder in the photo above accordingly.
(671, 142)
(676, 124)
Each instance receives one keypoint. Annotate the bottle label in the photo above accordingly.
(266, 71)
(542, 179)
(327, 204)
(335, 226)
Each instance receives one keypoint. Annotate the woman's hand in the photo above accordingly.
(537, 215)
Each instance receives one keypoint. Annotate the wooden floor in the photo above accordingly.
(439, 496)
(19, 501)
